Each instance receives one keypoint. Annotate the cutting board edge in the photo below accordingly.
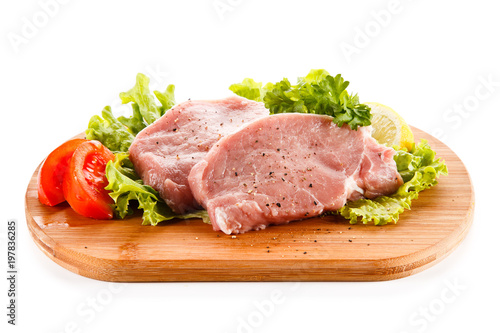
(396, 270)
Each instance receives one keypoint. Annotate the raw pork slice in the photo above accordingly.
(288, 167)
(164, 152)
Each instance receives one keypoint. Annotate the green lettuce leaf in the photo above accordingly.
(166, 98)
(419, 169)
(249, 89)
(118, 133)
(145, 101)
(109, 131)
(318, 92)
(126, 186)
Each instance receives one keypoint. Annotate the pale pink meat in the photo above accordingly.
(288, 167)
(164, 152)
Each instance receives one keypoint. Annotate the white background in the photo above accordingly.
(426, 59)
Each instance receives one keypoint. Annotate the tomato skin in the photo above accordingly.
(51, 173)
(85, 180)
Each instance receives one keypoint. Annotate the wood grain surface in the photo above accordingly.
(317, 249)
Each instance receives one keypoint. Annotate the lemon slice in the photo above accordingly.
(390, 128)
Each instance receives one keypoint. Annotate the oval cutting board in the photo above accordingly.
(317, 249)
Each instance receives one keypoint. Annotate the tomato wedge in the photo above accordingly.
(51, 173)
(85, 180)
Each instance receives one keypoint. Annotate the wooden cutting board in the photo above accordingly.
(317, 249)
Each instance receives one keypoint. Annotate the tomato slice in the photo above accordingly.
(85, 180)
(51, 173)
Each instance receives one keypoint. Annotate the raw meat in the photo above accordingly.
(164, 152)
(288, 167)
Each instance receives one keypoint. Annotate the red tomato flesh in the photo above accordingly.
(85, 180)
(51, 173)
